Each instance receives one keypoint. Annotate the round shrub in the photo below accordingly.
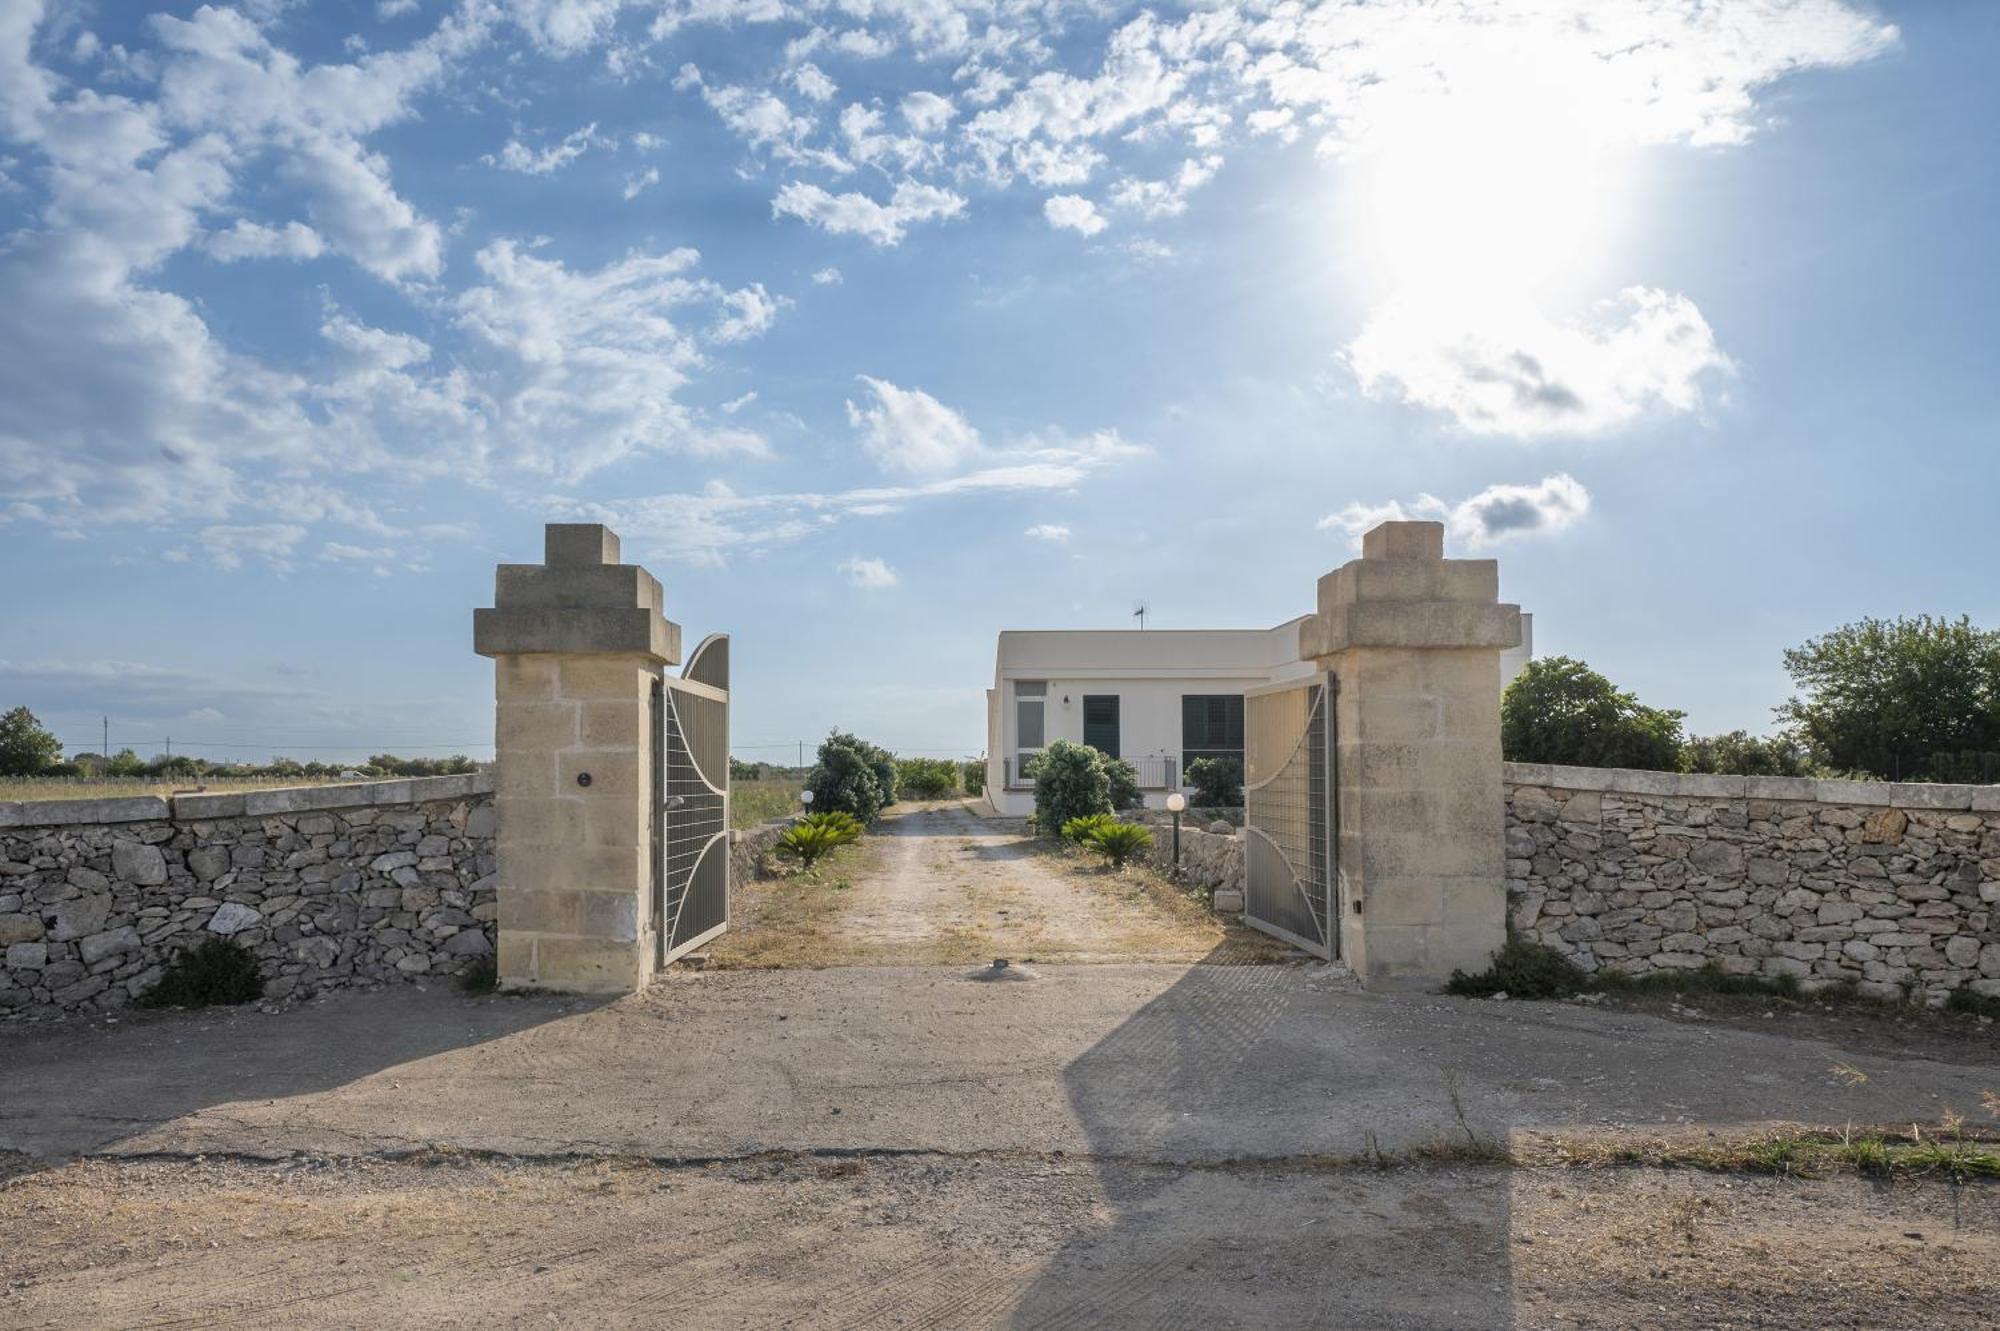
(846, 779)
(1217, 782)
(1070, 782)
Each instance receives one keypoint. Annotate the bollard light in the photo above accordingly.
(1176, 802)
(806, 798)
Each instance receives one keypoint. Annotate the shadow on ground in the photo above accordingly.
(132, 1083)
(1264, 1241)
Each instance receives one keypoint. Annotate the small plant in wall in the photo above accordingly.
(1119, 842)
(213, 971)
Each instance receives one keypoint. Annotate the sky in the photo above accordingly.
(877, 326)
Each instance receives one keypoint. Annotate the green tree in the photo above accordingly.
(1070, 782)
(26, 746)
(1559, 710)
(848, 779)
(1124, 779)
(1740, 753)
(1217, 782)
(1902, 699)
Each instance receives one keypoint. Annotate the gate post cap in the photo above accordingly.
(1404, 540)
(578, 545)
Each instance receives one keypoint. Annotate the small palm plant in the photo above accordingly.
(818, 835)
(1078, 831)
(1119, 842)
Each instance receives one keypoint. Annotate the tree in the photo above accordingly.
(846, 779)
(1900, 699)
(1070, 782)
(1217, 782)
(1559, 710)
(26, 746)
(1740, 753)
(1124, 779)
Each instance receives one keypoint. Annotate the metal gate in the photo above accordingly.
(1288, 814)
(691, 801)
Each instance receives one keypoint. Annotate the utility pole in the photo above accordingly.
(106, 750)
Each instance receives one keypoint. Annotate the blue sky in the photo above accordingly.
(876, 326)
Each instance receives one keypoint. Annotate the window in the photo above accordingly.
(1100, 723)
(1030, 698)
(1211, 727)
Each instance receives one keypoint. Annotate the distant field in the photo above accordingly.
(19, 789)
(754, 802)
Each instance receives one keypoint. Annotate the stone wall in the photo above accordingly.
(749, 848)
(1211, 856)
(327, 886)
(1895, 887)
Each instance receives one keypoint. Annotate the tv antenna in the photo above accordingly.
(1140, 615)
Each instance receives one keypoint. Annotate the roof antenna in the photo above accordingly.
(1140, 615)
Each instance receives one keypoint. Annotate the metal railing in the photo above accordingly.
(1156, 773)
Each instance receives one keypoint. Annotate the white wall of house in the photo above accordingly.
(1149, 672)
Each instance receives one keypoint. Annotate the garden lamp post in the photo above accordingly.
(1176, 802)
(806, 798)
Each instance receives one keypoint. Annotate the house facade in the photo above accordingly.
(1158, 698)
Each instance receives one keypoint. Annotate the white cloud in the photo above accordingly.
(869, 574)
(1048, 531)
(1497, 513)
(926, 112)
(252, 240)
(641, 181)
(1510, 370)
(812, 82)
(517, 156)
(746, 313)
(1075, 212)
(858, 215)
(908, 430)
(1168, 197)
(736, 404)
(827, 277)
(273, 542)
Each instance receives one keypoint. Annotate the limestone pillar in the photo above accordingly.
(577, 643)
(1414, 640)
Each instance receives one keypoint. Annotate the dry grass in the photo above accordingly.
(39, 789)
(786, 921)
(754, 802)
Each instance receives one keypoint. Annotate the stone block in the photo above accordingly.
(111, 943)
(19, 928)
(579, 545)
(1404, 540)
(138, 863)
(80, 917)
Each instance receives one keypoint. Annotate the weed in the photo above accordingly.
(481, 977)
(1963, 999)
(1521, 970)
(215, 971)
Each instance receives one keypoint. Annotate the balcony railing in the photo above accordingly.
(1157, 773)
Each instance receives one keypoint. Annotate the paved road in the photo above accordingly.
(1130, 1062)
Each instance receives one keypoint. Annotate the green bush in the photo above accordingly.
(1124, 779)
(1521, 970)
(215, 971)
(1740, 753)
(974, 776)
(1559, 710)
(1119, 842)
(1070, 782)
(848, 778)
(1217, 782)
(926, 778)
(1079, 830)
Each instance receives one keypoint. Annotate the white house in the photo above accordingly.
(1157, 698)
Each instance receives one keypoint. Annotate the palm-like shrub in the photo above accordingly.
(1119, 842)
(1079, 830)
(1070, 782)
(818, 835)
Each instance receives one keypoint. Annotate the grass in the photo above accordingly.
(38, 789)
(1873, 1153)
(754, 802)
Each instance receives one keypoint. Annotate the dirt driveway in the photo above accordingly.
(1122, 1144)
(936, 884)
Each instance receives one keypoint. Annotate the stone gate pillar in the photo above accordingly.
(1414, 640)
(577, 643)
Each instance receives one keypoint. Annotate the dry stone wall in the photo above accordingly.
(1893, 887)
(1211, 855)
(327, 886)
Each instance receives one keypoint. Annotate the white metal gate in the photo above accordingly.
(1288, 802)
(691, 801)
